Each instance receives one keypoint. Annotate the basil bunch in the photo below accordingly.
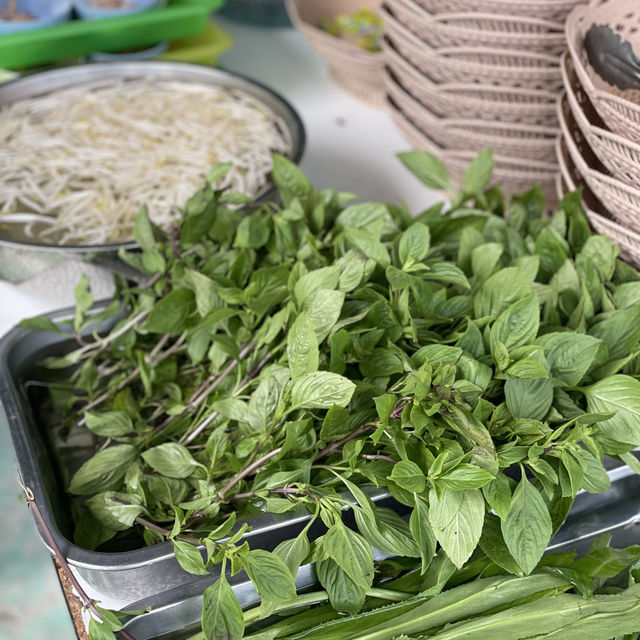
(476, 361)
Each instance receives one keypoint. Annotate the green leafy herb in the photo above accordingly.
(271, 356)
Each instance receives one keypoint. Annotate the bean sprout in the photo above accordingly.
(85, 158)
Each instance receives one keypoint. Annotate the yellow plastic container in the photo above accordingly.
(201, 49)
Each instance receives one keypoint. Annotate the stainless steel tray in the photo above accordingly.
(122, 576)
(175, 615)
(136, 574)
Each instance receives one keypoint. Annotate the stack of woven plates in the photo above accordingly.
(463, 75)
(599, 147)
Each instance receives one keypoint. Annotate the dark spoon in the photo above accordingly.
(612, 57)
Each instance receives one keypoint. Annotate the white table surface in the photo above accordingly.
(350, 146)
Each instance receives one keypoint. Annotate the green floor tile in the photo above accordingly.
(32, 606)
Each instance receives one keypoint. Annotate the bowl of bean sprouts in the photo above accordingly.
(82, 148)
(21, 15)
(97, 9)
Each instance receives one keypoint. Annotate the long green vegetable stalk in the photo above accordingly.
(535, 606)
(476, 362)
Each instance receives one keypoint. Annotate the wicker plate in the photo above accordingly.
(619, 114)
(546, 9)
(622, 201)
(508, 139)
(513, 175)
(569, 180)
(480, 29)
(357, 71)
(485, 65)
(467, 100)
(619, 155)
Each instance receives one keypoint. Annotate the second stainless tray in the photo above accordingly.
(175, 615)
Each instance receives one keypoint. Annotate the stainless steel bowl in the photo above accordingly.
(36, 254)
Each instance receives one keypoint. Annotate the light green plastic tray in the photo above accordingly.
(180, 18)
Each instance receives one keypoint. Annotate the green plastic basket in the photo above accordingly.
(179, 19)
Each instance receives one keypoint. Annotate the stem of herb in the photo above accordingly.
(247, 471)
(107, 340)
(150, 359)
(334, 446)
(369, 456)
(248, 377)
(165, 532)
(213, 382)
(287, 491)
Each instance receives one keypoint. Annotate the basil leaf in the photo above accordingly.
(478, 173)
(109, 423)
(40, 323)
(291, 182)
(253, 232)
(446, 273)
(363, 215)
(596, 479)
(427, 168)
(100, 630)
(324, 310)
(271, 577)
(189, 558)
(171, 313)
(500, 291)
(457, 518)
(553, 251)
(493, 544)
(422, 532)
(527, 528)
(335, 424)
(344, 593)
(414, 243)
(368, 245)
(206, 296)
(321, 390)
(116, 511)
(518, 324)
(607, 562)
(351, 552)
(627, 295)
(302, 347)
(464, 476)
(84, 301)
(527, 369)
(529, 398)
(621, 394)
(408, 476)
(168, 491)
(602, 253)
(485, 258)
(170, 459)
(293, 552)
(310, 283)
(103, 471)
(386, 531)
(497, 493)
(571, 355)
(620, 331)
(221, 612)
